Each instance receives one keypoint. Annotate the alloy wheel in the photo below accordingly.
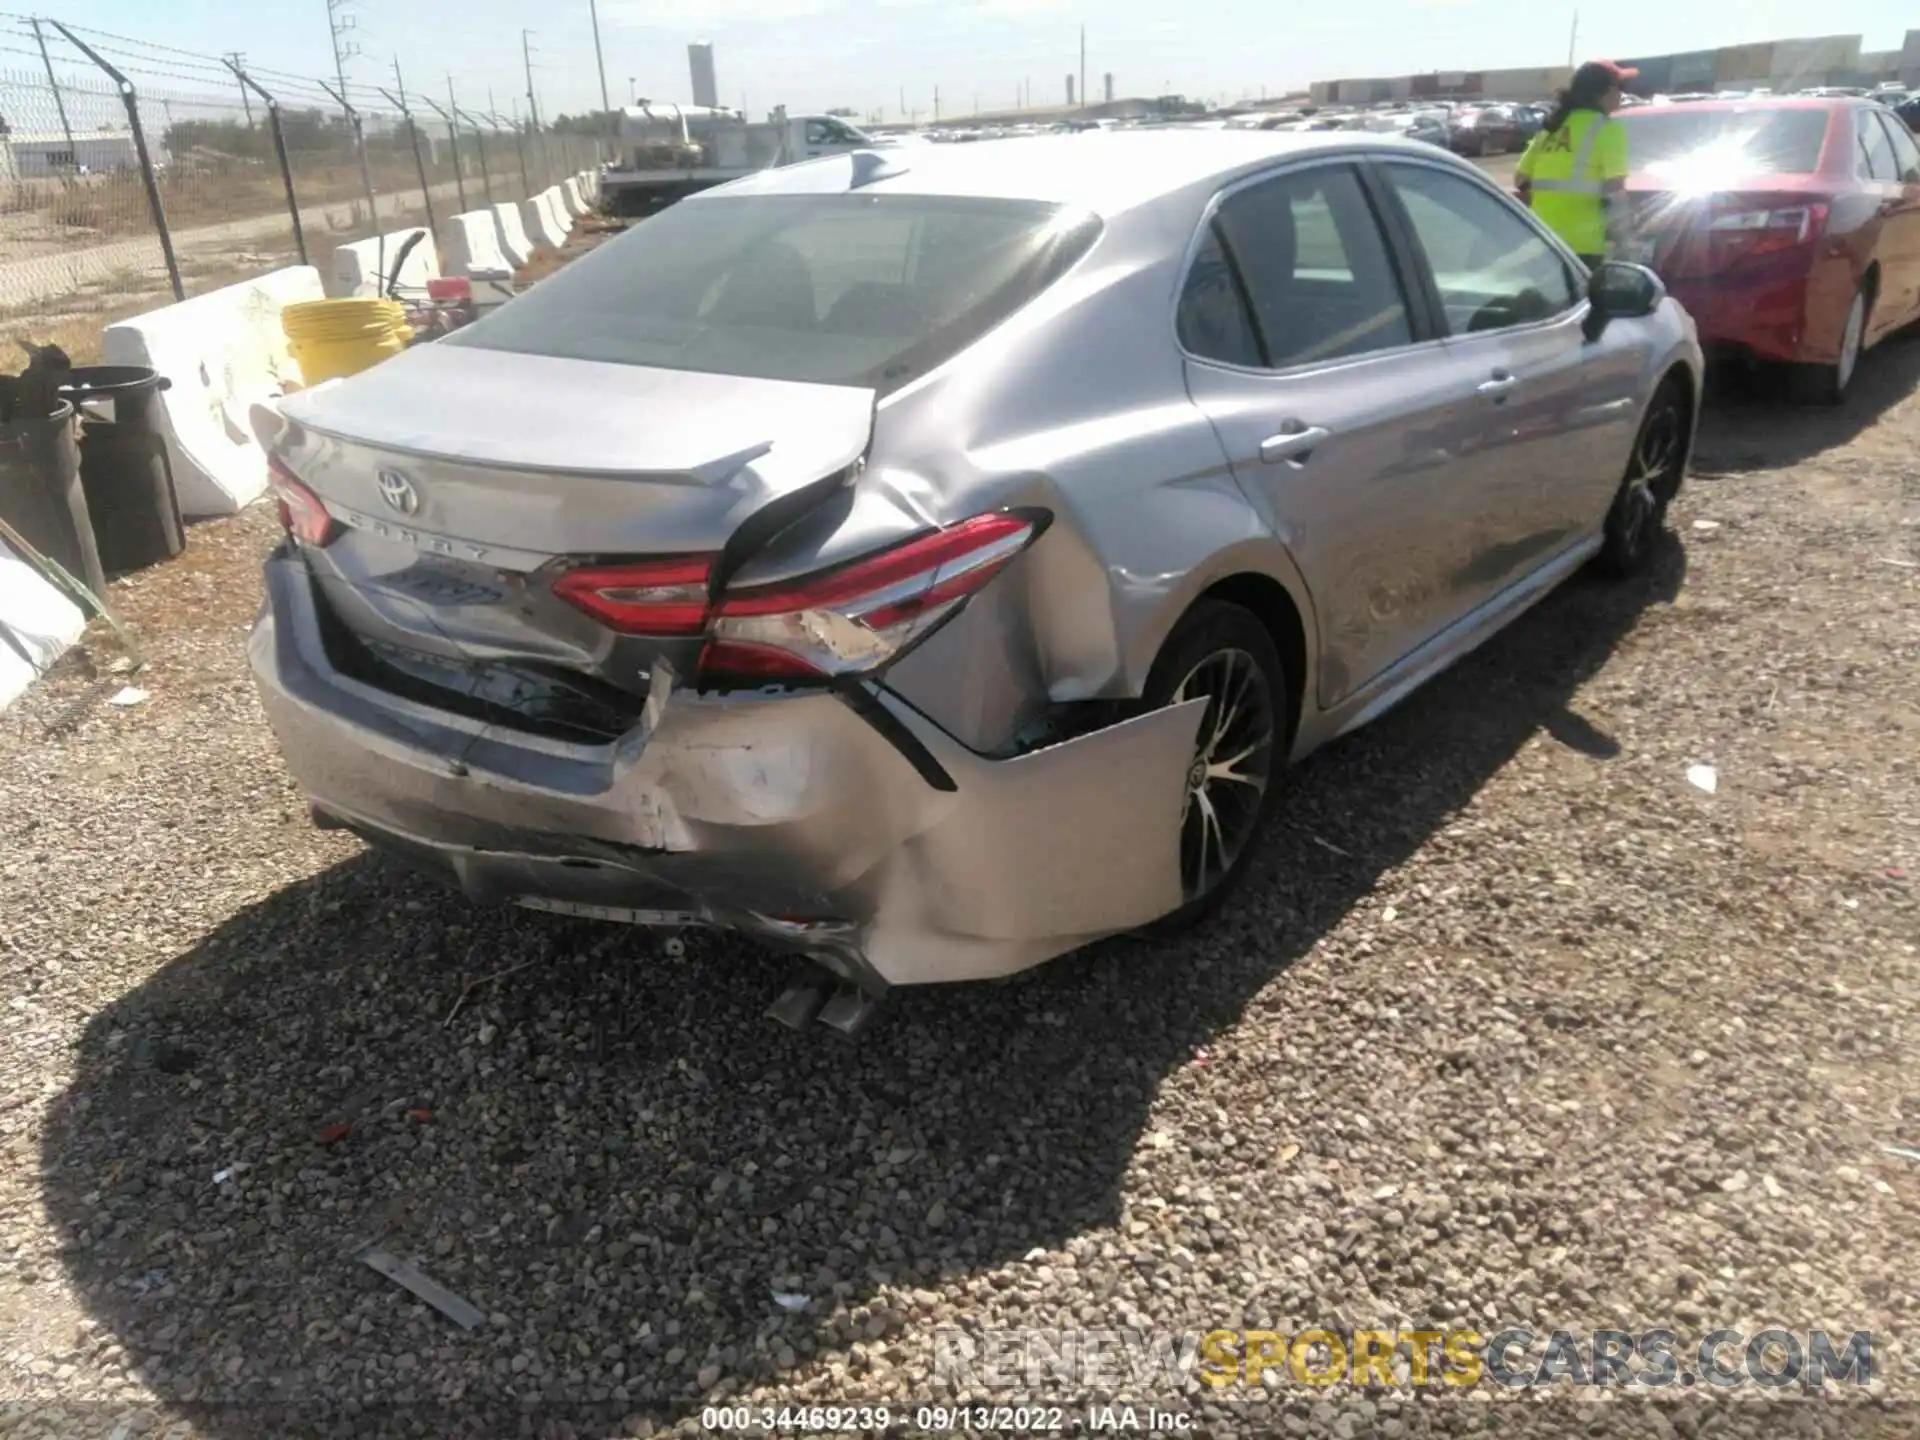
(1649, 483)
(1231, 768)
(1850, 339)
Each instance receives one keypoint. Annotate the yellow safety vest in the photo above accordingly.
(1569, 168)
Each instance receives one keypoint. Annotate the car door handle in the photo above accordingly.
(1496, 387)
(1296, 447)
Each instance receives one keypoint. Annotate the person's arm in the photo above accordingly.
(1523, 173)
(1610, 169)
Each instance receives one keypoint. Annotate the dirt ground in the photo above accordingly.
(1513, 1026)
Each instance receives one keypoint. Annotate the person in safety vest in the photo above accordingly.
(1574, 174)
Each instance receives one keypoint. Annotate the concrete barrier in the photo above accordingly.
(473, 247)
(557, 211)
(357, 268)
(223, 351)
(514, 243)
(37, 624)
(570, 192)
(539, 222)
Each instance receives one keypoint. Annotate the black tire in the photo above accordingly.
(1829, 384)
(1655, 469)
(1219, 646)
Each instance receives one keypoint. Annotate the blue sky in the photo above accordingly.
(811, 54)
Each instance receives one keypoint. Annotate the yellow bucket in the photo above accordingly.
(331, 338)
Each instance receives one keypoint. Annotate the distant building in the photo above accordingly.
(1780, 65)
(1108, 95)
(40, 154)
(706, 89)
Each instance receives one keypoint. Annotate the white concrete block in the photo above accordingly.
(514, 243)
(38, 622)
(363, 268)
(538, 221)
(473, 247)
(223, 351)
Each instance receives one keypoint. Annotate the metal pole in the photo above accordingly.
(599, 60)
(453, 140)
(366, 177)
(131, 100)
(519, 144)
(533, 110)
(59, 101)
(419, 165)
(280, 153)
(236, 61)
(1083, 67)
(480, 143)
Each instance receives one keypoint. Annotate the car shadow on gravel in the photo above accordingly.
(1751, 423)
(619, 1162)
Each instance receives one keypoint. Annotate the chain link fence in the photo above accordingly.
(85, 226)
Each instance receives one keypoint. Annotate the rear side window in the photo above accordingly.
(844, 289)
(1873, 149)
(1906, 155)
(1213, 320)
(1314, 266)
(1674, 139)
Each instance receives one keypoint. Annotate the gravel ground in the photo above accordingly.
(1512, 1025)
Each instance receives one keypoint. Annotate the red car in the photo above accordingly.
(1790, 229)
(1489, 130)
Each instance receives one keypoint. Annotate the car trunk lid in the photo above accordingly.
(463, 481)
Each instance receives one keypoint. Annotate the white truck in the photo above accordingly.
(669, 151)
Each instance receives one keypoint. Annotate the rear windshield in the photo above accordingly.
(843, 289)
(1738, 142)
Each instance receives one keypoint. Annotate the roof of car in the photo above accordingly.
(1102, 171)
(1763, 102)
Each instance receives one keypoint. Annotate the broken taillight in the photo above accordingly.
(302, 513)
(853, 618)
(865, 614)
(648, 597)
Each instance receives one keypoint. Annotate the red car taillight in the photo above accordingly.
(302, 515)
(1743, 226)
(862, 615)
(648, 597)
(843, 621)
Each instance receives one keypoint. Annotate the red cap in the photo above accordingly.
(1618, 74)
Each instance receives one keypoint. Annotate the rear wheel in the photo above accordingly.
(1224, 655)
(1654, 472)
(1827, 384)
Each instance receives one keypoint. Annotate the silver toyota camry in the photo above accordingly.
(929, 561)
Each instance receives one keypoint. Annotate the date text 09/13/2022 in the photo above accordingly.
(948, 1419)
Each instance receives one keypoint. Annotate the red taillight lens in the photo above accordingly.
(648, 597)
(1745, 226)
(302, 515)
(866, 614)
(449, 287)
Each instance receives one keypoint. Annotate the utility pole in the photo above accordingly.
(1083, 67)
(599, 60)
(340, 23)
(237, 62)
(1573, 39)
(903, 100)
(59, 101)
(533, 106)
(936, 104)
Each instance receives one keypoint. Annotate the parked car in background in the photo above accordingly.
(1429, 126)
(1488, 130)
(787, 564)
(1909, 113)
(1789, 228)
(1528, 121)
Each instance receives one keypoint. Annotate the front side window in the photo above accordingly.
(1492, 268)
(818, 132)
(846, 289)
(1314, 266)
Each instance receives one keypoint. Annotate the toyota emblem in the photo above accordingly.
(397, 490)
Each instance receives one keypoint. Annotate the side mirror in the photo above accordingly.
(1619, 291)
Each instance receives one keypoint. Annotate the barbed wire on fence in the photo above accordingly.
(80, 241)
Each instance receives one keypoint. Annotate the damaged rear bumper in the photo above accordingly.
(789, 815)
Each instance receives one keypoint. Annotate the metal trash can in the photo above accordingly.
(124, 467)
(41, 496)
